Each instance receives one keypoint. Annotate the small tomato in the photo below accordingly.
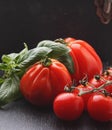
(100, 107)
(107, 75)
(68, 106)
(97, 81)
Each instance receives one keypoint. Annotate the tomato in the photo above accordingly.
(109, 88)
(108, 76)
(97, 81)
(40, 84)
(84, 88)
(86, 60)
(100, 107)
(108, 73)
(68, 106)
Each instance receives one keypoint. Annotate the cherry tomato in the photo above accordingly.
(86, 60)
(109, 88)
(107, 75)
(100, 107)
(68, 106)
(97, 81)
(40, 84)
(84, 88)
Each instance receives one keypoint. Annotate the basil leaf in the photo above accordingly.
(21, 54)
(60, 52)
(13, 55)
(58, 49)
(9, 90)
(3, 66)
(6, 59)
(17, 57)
(34, 55)
(68, 62)
(1, 80)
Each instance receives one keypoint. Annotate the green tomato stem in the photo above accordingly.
(60, 40)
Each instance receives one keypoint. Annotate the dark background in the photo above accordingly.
(31, 21)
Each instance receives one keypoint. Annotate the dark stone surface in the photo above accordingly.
(21, 115)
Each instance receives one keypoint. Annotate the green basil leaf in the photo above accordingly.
(17, 57)
(58, 49)
(13, 55)
(68, 62)
(20, 56)
(1, 80)
(9, 90)
(34, 55)
(3, 66)
(6, 59)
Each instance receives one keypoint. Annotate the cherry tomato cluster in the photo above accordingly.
(93, 96)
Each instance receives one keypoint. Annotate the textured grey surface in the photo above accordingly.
(21, 115)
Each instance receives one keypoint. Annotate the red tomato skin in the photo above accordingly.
(86, 60)
(109, 88)
(68, 106)
(108, 77)
(69, 39)
(41, 84)
(102, 80)
(85, 97)
(97, 82)
(100, 107)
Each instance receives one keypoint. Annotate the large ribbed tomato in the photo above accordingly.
(43, 81)
(86, 60)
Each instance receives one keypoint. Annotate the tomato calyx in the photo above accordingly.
(106, 93)
(46, 61)
(70, 87)
(97, 77)
(107, 73)
(100, 78)
(84, 81)
(60, 40)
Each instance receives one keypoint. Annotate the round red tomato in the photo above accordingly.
(42, 82)
(107, 75)
(97, 81)
(68, 106)
(86, 60)
(109, 88)
(100, 107)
